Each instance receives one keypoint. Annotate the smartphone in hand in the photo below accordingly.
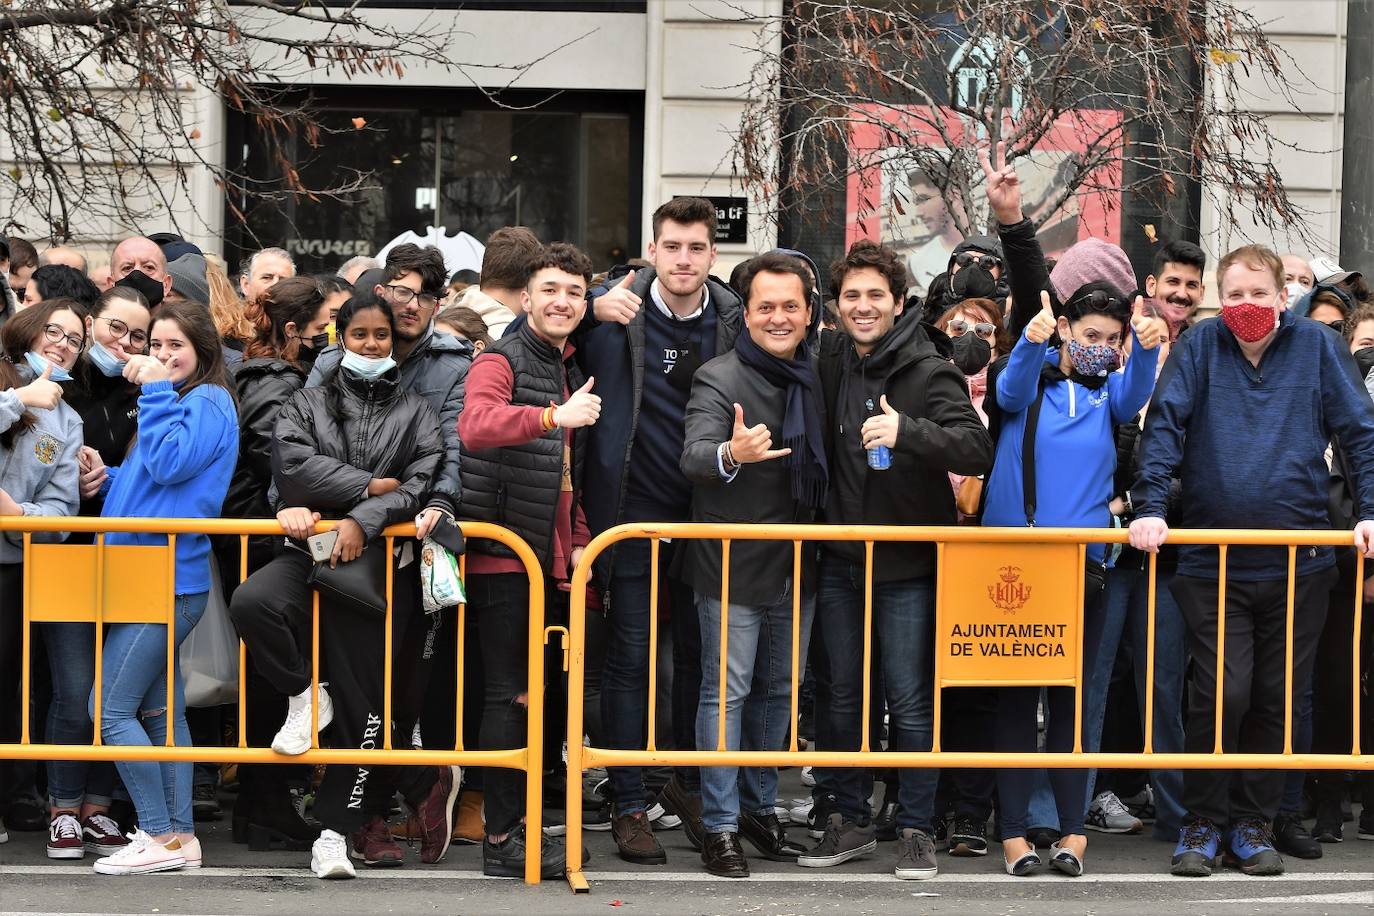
(322, 545)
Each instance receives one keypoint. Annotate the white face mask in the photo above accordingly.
(1295, 292)
(367, 368)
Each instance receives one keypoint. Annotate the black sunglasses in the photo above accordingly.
(985, 261)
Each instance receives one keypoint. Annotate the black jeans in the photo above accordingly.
(1016, 731)
(968, 723)
(272, 612)
(1253, 701)
(625, 680)
(501, 600)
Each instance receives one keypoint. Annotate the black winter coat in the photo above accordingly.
(108, 408)
(331, 441)
(263, 386)
(939, 432)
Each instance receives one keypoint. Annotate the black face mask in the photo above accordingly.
(1364, 358)
(317, 343)
(151, 289)
(972, 282)
(971, 352)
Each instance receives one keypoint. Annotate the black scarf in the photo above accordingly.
(801, 424)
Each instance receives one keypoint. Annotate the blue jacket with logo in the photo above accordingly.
(1249, 442)
(1075, 441)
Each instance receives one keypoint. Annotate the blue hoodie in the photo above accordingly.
(1075, 440)
(179, 467)
(1249, 443)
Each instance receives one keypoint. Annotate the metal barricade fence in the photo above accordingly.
(1012, 565)
(76, 583)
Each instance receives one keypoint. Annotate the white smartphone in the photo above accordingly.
(322, 545)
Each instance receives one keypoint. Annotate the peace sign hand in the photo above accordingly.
(1003, 187)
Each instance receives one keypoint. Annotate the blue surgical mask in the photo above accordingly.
(38, 363)
(367, 368)
(105, 361)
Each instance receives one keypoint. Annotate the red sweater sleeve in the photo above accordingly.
(489, 419)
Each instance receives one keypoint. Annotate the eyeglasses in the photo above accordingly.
(958, 327)
(985, 261)
(404, 294)
(120, 330)
(54, 333)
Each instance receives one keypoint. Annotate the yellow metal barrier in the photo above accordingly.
(74, 583)
(1042, 555)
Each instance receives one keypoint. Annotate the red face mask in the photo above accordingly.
(1249, 321)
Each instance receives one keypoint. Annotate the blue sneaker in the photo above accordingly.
(1251, 848)
(1196, 853)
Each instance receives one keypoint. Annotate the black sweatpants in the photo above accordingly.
(272, 612)
(1253, 686)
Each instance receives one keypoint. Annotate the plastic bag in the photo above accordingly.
(210, 654)
(440, 584)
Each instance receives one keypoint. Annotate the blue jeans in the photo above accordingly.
(1125, 606)
(903, 647)
(134, 712)
(758, 702)
(625, 678)
(71, 659)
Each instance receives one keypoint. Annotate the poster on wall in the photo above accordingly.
(891, 199)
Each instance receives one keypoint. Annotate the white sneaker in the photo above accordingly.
(191, 850)
(808, 779)
(294, 736)
(800, 810)
(142, 856)
(329, 857)
(1108, 815)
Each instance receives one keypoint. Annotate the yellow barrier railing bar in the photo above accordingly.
(460, 664)
(1288, 653)
(1080, 589)
(653, 641)
(796, 640)
(528, 758)
(866, 683)
(580, 757)
(1355, 656)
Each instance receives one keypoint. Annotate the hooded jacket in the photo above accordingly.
(435, 370)
(491, 310)
(1249, 443)
(263, 385)
(332, 440)
(39, 471)
(939, 432)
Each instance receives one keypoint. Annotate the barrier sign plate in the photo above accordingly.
(1009, 617)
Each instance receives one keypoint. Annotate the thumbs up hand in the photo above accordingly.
(881, 428)
(1042, 326)
(581, 409)
(751, 444)
(1149, 331)
(617, 304)
(42, 392)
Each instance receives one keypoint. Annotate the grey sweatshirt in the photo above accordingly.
(40, 472)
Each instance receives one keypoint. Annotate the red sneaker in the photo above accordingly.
(375, 846)
(64, 838)
(101, 835)
(435, 815)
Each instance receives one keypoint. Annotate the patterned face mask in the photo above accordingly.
(1093, 360)
(1249, 321)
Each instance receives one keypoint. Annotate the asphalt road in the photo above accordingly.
(1126, 874)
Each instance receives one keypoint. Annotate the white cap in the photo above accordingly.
(1324, 267)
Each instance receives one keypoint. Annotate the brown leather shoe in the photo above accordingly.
(374, 845)
(435, 814)
(687, 807)
(723, 856)
(634, 837)
(469, 828)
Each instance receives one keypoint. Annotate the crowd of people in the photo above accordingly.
(557, 402)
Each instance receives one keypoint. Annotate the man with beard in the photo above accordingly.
(1175, 284)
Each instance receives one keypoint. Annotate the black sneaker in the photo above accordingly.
(939, 828)
(843, 840)
(968, 837)
(205, 804)
(885, 822)
(1328, 827)
(598, 818)
(507, 858)
(826, 805)
(1366, 828)
(1292, 838)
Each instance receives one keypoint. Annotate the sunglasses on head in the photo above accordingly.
(958, 327)
(985, 261)
(1095, 300)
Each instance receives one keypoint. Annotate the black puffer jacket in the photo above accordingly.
(108, 407)
(332, 440)
(263, 385)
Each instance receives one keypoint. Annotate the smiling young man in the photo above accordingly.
(754, 453)
(886, 385)
(1175, 284)
(1244, 412)
(523, 430)
(657, 326)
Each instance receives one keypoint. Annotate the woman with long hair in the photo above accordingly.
(79, 791)
(179, 467)
(40, 436)
(363, 450)
(226, 308)
(288, 333)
